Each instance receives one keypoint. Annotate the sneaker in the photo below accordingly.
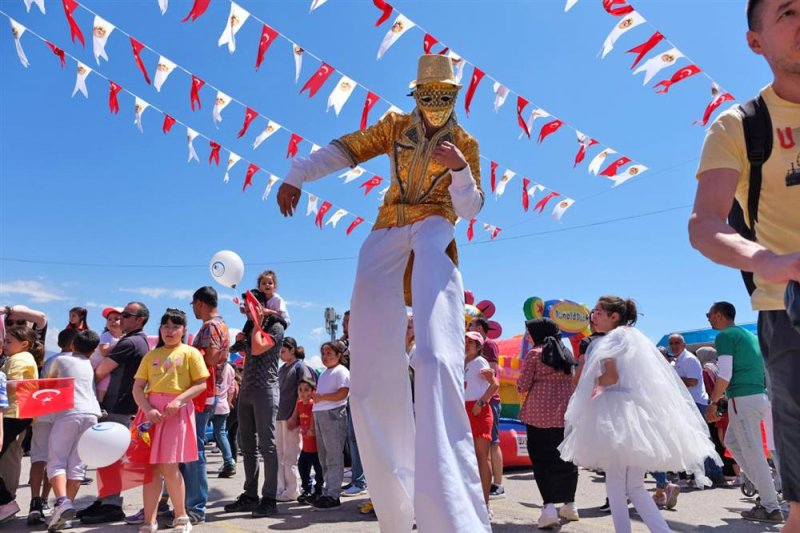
(326, 503)
(135, 519)
(354, 490)
(36, 512)
(305, 498)
(103, 513)
(8, 511)
(86, 481)
(182, 524)
(62, 514)
(605, 508)
(367, 508)
(227, 471)
(194, 517)
(760, 514)
(243, 504)
(672, 491)
(497, 492)
(549, 517)
(163, 509)
(266, 507)
(569, 511)
(89, 510)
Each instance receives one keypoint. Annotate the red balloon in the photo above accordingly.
(495, 330)
(487, 308)
(469, 298)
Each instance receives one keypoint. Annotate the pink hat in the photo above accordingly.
(475, 336)
(108, 310)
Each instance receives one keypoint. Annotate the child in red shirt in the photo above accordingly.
(304, 417)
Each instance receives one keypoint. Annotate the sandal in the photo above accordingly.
(148, 528)
(182, 523)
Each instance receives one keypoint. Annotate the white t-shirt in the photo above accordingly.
(688, 366)
(475, 384)
(329, 382)
(277, 303)
(105, 338)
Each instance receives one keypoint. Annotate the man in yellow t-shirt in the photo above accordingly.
(774, 258)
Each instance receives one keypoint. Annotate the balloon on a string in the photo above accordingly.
(227, 268)
(103, 444)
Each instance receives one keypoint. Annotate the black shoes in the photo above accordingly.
(243, 504)
(227, 471)
(266, 507)
(326, 503)
(100, 513)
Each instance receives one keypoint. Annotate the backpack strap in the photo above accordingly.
(758, 141)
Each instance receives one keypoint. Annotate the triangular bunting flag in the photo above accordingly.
(500, 95)
(139, 107)
(718, 100)
(268, 36)
(273, 179)
(561, 207)
(631, 172)
(352, 174)
(458, 64)
(236, 20)
(549, 129)
(570, 5)
(74, 30)
(644, 48)
(163, 69)
(312, 204)
(336, 217)
(525, 197)
(59, 52)
(585, 142)
(17, 30)
(190, 136)
(508, 175)
(198, 8)
(194, 94)
(428, 42)
(323, 209)
(493, 231)
(612, 169)
(680, 75)
(652, 66)
(294, 140)
(137, 50)
(493, 175)
(370, 184)
(629, 22)
(599, 159)
(477, 76)
(340, 94)
(248, 176)
(315, 4)
(214, 155)
(521, 104)
(113, 101)
(541, 204)
(298, 61)
(400, 26)
(608, 5)
(163, 5)
(386, 11)
(471, 229)
(232, 160)
(220, 102)
(368, 104)
(271, 128)
(39, 4)
(249, 116)
(101, 30)
(168, 123)
(353, 225)
(316, 81)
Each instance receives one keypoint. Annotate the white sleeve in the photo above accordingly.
(317, 165)
(467, 198)
(725, 364)
(284, 311)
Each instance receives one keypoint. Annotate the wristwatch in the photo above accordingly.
(481, 403)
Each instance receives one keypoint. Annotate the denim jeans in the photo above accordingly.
(220, 423)
(194, 474)
(356, 469)
(713, 470)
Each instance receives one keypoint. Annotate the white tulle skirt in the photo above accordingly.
(647, 420)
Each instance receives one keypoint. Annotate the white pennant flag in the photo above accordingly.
(163, 69)
(508, 175)
(273, 179)
(298, 61)
(314, 148)
(400, 26)
(312, 204)
(561, 207)
(190, 135)
(80, 80)
(533, 189)
(336, 217)
(271, 128)
(315, 4)
(139, 107)
(232, 160)
(352, 174)
(163, 5)
(500, 95)
(235, 21)
(382, 194)
(458, 65)
(652, 66)
(392, 109)
(340, 94)
(631, 172)
(570, 5)
(599, 159)
(39, 3)
(220, 103)
(101, 30)
(631, 20)
(536, 113)
(17, 30)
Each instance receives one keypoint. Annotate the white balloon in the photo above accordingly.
(103, 444)
(227, 268)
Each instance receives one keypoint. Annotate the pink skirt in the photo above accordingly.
(174, 439)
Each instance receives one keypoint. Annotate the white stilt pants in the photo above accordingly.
(428, 472)
(624, 483)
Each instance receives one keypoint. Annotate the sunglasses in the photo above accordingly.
(11, 322)
(126, 314)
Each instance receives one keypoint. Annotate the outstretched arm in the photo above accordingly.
(319, 164)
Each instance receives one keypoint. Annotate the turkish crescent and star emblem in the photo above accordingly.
(46, 395)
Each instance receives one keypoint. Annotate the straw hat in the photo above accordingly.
(433, 68)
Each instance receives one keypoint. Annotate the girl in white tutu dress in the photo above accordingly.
(631, 414)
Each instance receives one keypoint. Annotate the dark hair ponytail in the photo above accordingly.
(626, 309)
(27, 334)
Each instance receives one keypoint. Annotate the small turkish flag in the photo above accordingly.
(268, 36)
(37, 397)
(137, 50)
(370, 184)
(494, 176)
(543, 202)
(194, 95)
(248, 177)
(133, 469)
(385, 8)
(521, 104)
(214, 156)
(294, 140)
(57, 51)
(477, 76)
(525, 196)
(249, 116)
(368, 104)
(715, 103)
(549, 129)
(198, 8)
(317, 80)
(354, 225)
(471, 229)
(682, 74)
(585, 142)
(617, 11)
(429, 41)
(323, 209)
(645, 47)
(74, 30)
(168, 123)
(113, 102)
(252, 304)
(612, 169)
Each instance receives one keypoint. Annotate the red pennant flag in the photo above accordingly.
(585, 144)
(617, 11)
(477, 76)
(541, 204)
(370, 184)
(494, 176)
(353, 225)
(198, 8)
(613, 169)
(268, 35)
(249, 116)
(74, 30)
(429, 41)
(248, 177)
(317, 80)
(471, 229)
(495, 232)
(137, 50)
(57, 51)
(113, 91)
(525, 198)
(387, 11)
(37, 397)
(521, 104)
(549, 129)
(168, 123)
(294, 140)
(715, 103)
(682, 74)
(214, 156)
(368, 104)
(323, 209)
(252, 304)
(133, 469)
(194, 95)
(645, 47)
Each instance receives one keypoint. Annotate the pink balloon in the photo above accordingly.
(469, 298)
(495, 330)
(487, 308)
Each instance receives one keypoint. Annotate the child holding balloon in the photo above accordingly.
(173, 373)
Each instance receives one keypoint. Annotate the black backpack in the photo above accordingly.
(758, 141)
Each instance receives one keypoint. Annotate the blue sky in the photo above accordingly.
(80, 188)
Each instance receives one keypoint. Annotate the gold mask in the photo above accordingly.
(436, 102)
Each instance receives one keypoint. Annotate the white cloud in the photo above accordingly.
(315, 362)
(37, 291)
(303, 305)
(158, 292)
(318, 335)
(96, 305)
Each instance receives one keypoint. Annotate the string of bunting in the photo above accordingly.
(630, 18)
(613, 170)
